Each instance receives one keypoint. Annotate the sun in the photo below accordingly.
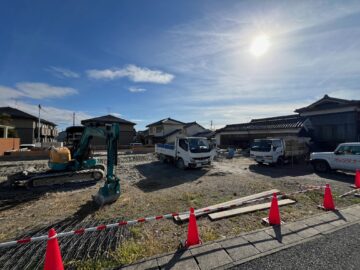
(260, 45)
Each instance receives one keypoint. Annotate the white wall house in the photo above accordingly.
(166, 130)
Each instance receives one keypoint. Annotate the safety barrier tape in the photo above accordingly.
(147, 219)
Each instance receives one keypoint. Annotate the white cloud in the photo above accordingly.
(59, 116)
(62, 117)
(137, 120)
(13, 97)
(9, 93)
(234, 114)
(63, 72)
(43, 90)
(116, 114)
(133, 73)
(136, 89)
(345, 93)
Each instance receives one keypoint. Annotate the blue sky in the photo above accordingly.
(189, 60)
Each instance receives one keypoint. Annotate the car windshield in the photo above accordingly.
(199, 145)
(261, 146)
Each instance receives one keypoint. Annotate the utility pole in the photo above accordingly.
(73, 118)
(211, 125)
(39, 125)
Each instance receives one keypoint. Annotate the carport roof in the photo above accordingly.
(280, 122)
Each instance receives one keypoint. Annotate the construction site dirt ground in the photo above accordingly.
(150, 188)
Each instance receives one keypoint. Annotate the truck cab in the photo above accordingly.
(279, 150)
(187, 152)
(345, 157)
(268, 151)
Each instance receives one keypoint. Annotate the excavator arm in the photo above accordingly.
(81, 152)
(110, 192)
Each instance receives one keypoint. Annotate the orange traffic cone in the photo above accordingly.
(53, 260)
(274, 213)
(328, 203)
(193, 234)
(357, 179)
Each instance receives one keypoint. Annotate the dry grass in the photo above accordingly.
(142, 244)
(208, 234)
(174, 191)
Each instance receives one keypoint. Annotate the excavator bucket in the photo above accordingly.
(108, 194)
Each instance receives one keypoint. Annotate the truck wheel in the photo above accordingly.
(180, 164)
(280, 161)
(321, 166)
(162, 158)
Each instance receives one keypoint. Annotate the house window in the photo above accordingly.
(159, 129)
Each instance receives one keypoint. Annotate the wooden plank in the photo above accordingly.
(247, 209)
(224, 204)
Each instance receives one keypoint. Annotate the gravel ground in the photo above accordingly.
(149, 188)
(338, 250)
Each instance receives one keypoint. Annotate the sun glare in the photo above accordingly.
(260, 45)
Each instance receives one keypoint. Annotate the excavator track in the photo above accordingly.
(28, 179)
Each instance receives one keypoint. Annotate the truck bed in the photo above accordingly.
(165, 149)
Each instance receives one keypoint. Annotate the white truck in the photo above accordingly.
(279, 150)
(345, 157)
(187, 152)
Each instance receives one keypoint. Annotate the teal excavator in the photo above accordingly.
(80, 168)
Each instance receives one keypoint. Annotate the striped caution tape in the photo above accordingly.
(102, 227)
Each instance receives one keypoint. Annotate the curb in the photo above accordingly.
(262, 254)
(266, 253)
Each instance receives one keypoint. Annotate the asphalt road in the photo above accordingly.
(338, 250)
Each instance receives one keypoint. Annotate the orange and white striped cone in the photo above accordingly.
(53, 259)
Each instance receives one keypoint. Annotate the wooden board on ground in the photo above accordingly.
(247, 209)
(228, 203)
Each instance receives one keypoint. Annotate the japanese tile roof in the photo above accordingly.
(206, 133)
(192, 123)
(171, 133)
(107, 119)
(163, 120)
(280, 122)
(328, 102)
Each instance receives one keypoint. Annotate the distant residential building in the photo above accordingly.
(127, 130)
(328, 122)
(334, 121)
(26, 126)
(166, 130)
(141, 136)
(241, 135)
(73, 135)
